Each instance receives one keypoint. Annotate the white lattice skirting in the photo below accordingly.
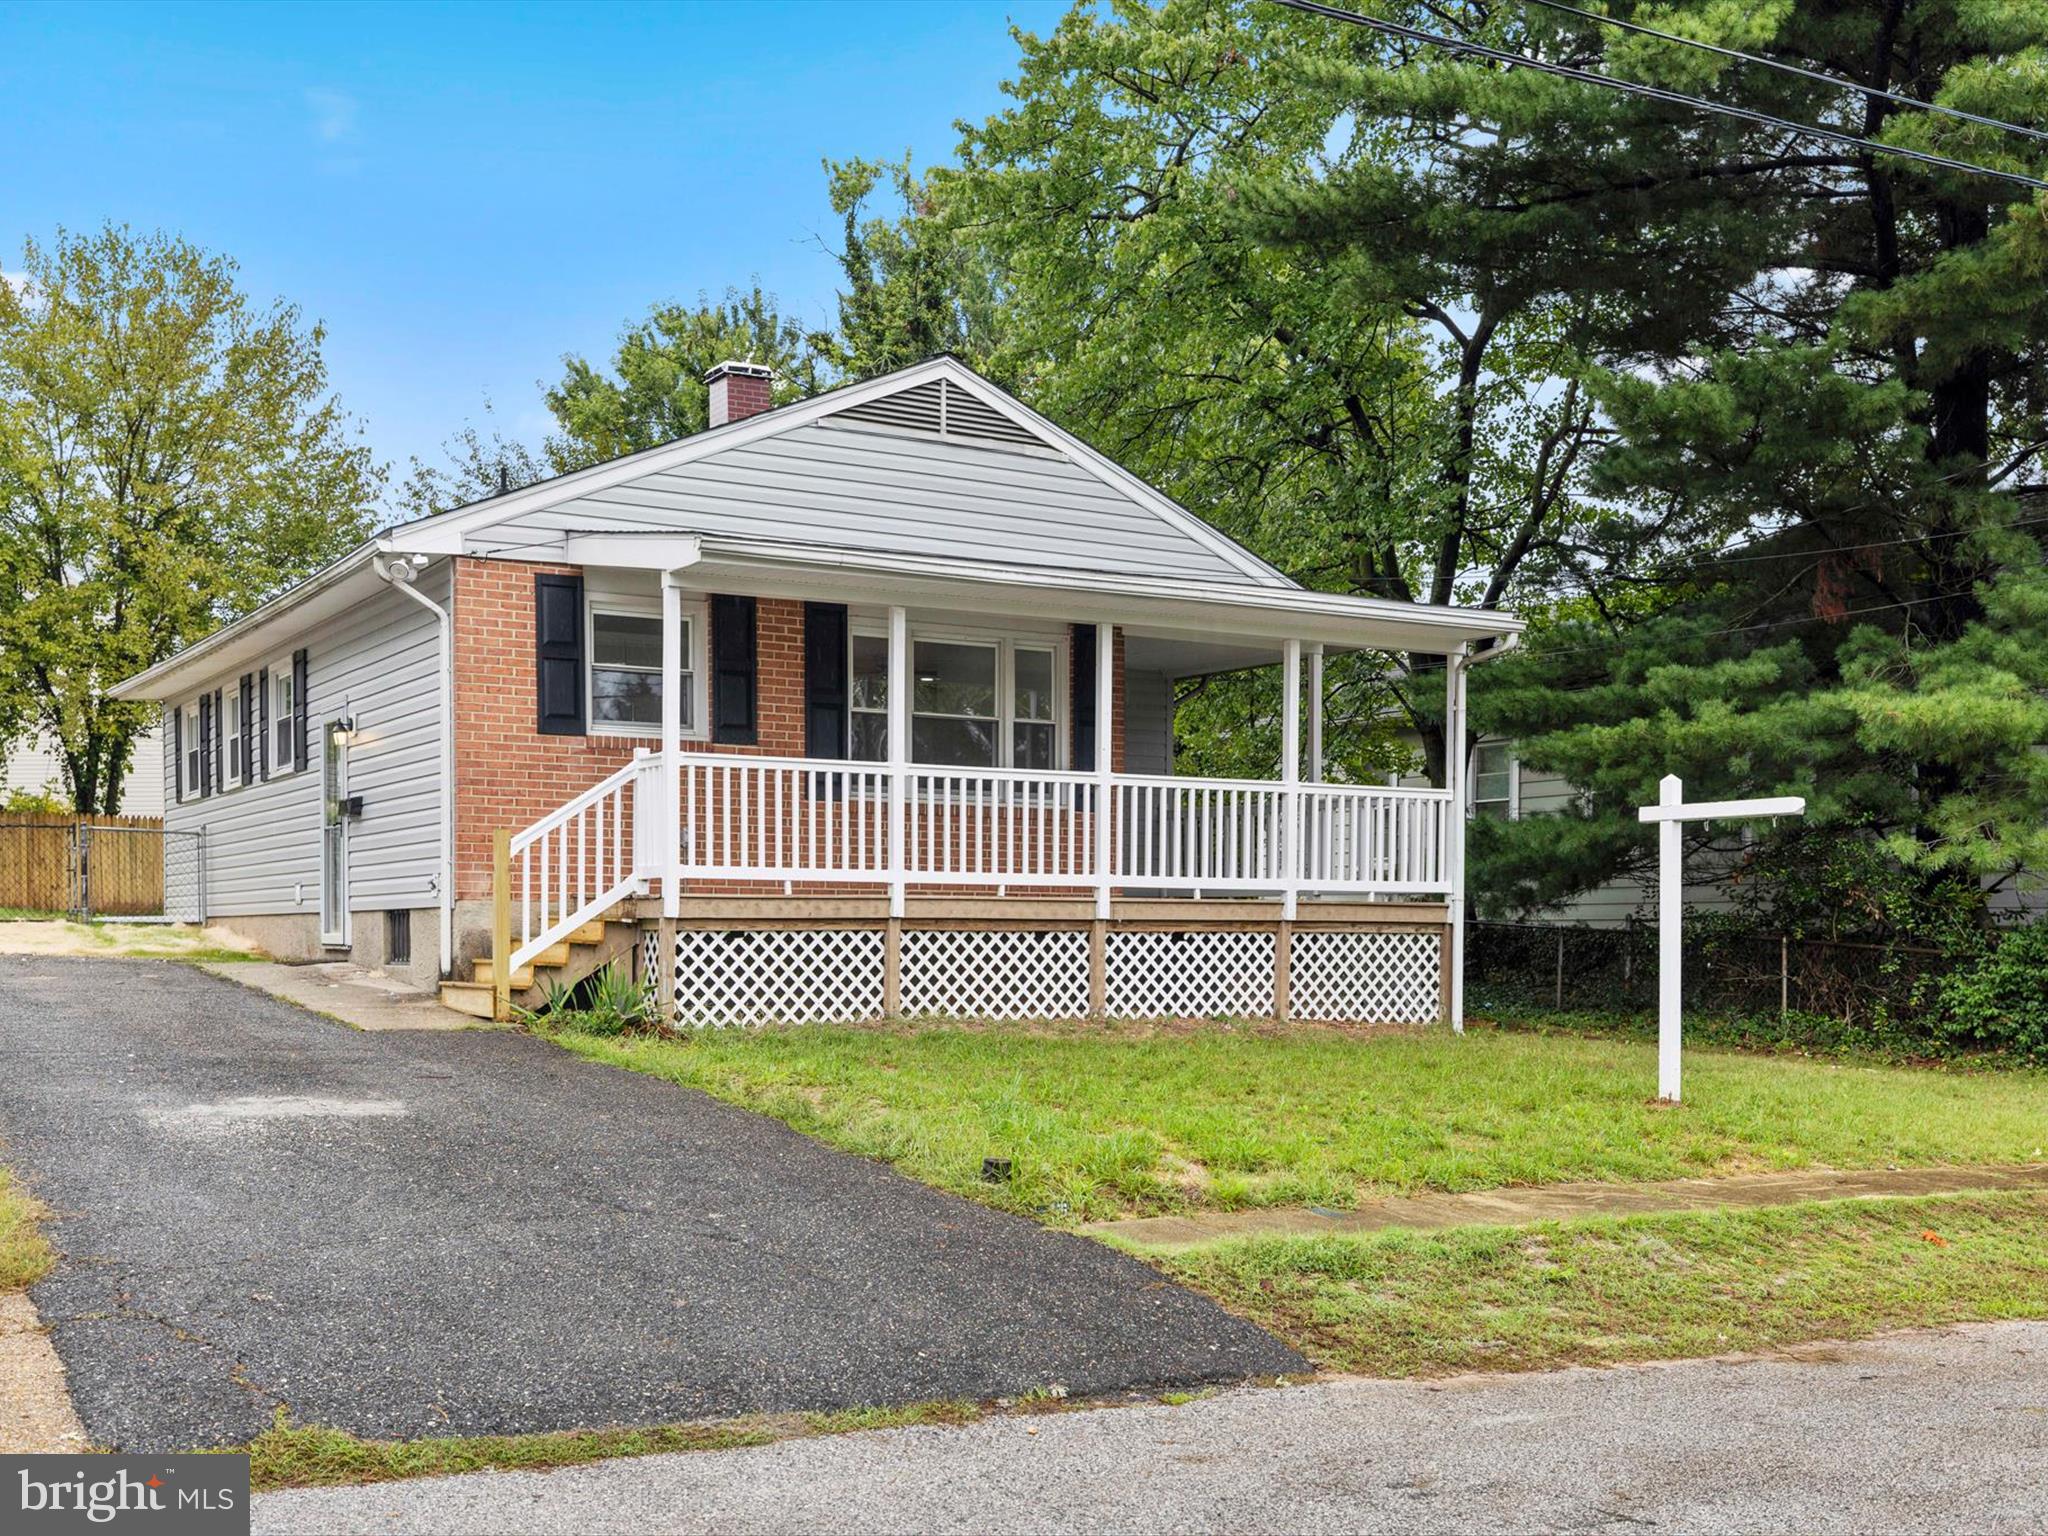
(967, 973)
(778, 975)
(1366, 978)
(826, 975)
(1161, 975)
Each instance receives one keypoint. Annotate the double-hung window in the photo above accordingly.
(231, 730)
(283, 718)
(625, 670)
(188, 737)
(1494, 790)
(974, 703)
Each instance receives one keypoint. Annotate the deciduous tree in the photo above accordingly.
(170, 455)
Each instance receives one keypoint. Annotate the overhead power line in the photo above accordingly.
(1804, 73)
(1660, 93)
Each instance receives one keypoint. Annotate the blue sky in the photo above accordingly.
(463, 193)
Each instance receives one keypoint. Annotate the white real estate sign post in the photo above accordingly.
(1668, 812)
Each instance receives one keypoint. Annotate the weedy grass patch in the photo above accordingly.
(1612, 1290)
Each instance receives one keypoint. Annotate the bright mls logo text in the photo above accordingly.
(102, 1499)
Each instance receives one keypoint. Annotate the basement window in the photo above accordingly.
(398, 938)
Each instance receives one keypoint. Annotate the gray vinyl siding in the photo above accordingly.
(888, 491)
(1148, 722)
(380, 664)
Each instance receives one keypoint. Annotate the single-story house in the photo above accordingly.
(853, 707)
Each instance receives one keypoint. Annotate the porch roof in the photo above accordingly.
(1167, 606)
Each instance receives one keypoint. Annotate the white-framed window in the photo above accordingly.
(867, 734)
(1034, 706)
(283, 718)
(975, 701)
(1496, 782)
(622, 649)
(231, 731)
(188, 739)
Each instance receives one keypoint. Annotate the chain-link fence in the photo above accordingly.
(54, 866)
(1511, 966)
(139, 872)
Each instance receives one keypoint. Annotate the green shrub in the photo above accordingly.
(2000, 997)
(607, 1002)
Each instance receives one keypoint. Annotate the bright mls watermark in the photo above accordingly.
(188, 1495)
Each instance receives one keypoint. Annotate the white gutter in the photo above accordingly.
(398, 574)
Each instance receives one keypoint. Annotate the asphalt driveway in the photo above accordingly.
(411, 1234)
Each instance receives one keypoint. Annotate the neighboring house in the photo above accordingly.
(857, 706)
(33, 766)
(1499, 785)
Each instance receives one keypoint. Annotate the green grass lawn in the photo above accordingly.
(1103, 1121)
(1601, 1292)
(24, 1256)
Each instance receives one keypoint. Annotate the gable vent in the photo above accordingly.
(940, 410)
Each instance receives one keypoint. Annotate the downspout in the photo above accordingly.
(399, 573)
(1461, 662)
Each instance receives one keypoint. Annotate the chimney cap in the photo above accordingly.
(734, 367)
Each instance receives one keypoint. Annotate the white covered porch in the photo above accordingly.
(868, 842)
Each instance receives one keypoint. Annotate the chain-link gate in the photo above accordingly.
(138, 872)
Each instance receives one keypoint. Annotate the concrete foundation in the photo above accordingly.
(296, 936)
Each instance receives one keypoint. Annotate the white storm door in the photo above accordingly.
(333, 835)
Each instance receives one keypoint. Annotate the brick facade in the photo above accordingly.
(507, 774)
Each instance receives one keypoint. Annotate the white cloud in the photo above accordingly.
(334, 115)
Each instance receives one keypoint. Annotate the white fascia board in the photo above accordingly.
(444, 532)
(333, 589)
(1116, 477)
(1282, 612)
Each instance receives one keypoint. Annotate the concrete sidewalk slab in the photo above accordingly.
(359, 998)
(1565, 1202)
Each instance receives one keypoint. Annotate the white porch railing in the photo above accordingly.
(753, 818)
(578, 861)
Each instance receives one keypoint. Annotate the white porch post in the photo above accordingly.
(899, 753)
(1105, 760)
(670, 820)
(1454, 852)
(1290, 775)
(1314, 769)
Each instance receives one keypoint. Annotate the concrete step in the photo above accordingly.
(486, 972)
(470, 997)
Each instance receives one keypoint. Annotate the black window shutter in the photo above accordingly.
(248, 691)
(825, 666)
(558, 654)
(299, 713)
(178, 749)
(220, 743)
(263, 719)
(733, 668)
(205, 745)
(1084, 698)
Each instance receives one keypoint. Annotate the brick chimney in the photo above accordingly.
(739, 390)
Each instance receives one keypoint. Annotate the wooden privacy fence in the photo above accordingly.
(54, 863)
